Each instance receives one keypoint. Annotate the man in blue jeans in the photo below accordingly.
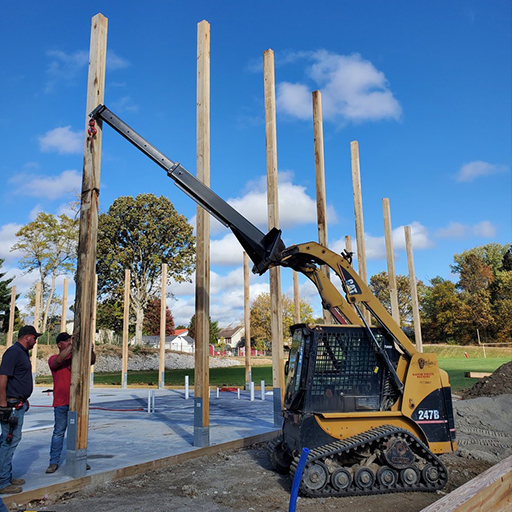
(16, 386)
(60, 365)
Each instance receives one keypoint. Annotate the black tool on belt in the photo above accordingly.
(7, 417)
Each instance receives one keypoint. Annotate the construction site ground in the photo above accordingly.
(232, 480)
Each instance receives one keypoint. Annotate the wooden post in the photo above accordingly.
(126, 326)
(320, 182)
(414, 292)
(276, 323)
(296, 296)
(247, 322)
(64, 306)
(12, 314)
(94, 316)
(358, 213)
(348, 244)
(163, 318)
(202, 371)
(78, 417)
(36, 325)
(388, 236)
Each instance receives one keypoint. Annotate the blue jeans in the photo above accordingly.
(7, 449)
(61, 422)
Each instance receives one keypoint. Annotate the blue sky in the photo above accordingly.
(425, 88)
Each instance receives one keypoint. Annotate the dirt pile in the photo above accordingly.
(499, 383)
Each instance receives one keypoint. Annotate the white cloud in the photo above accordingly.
(115, 62)
(352, 90)
(455, 230)
(125, 104)
(33, 213)
(7, 240)
(472, 170)
(50, 187)
(484, 229)
(226, 251)
(62, 140)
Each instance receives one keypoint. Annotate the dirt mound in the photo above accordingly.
(499, 383)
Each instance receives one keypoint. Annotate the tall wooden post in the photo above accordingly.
(296, 296)
(388, 236)
(94, 317)
(163, 318)
(348, 244)
(247, 322)
(12, 314)
(414, 291)
(358, 213)
(126, 326)
(276, 323)
(36, 325)
(78, 418)
(202, 370)
(320, 182)
(64, 306)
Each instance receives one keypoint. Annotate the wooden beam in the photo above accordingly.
(358, 214)
(12, 314)
(37, 309)
(490, 491)
(477, 375)
(247, 322)
(202, 354)
(86, 266)
(414, 291)
(321, 206)
(276, 323)
(64, 306)
(163, 325)
(296, 296)
(388, 236)
(126, 327)
(93, 320)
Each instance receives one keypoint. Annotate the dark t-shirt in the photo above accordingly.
(16, 365)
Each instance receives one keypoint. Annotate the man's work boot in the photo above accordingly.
(11, 489)
(52, 468)
(17, 481)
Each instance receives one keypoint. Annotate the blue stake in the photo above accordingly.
(297, 478)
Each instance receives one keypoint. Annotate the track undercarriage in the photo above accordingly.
(382, 460)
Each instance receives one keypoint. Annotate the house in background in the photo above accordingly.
(231, 336)
(180, 341)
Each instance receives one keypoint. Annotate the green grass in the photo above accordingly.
(456, 367)
(219, 377)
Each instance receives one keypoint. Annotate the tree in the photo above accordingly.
(49, 246)
(214, 330)
(151, 326)
(260, 317)
(140, 234)
(5, 302)
(379, 285)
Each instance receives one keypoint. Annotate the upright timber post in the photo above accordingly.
(358, 213)
(126, 326)
(247, 322)
(318, 132)
(93, 326)
(202, 370)
(163, 318)
(12, 314)
(37, 309)
(414, 291)
(64, 306)
(388, 236)
(78, 416)
(296, 296)
(276, 323)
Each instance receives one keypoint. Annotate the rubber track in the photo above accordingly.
(375, 436)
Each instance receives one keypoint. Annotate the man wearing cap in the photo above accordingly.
(60, 365)
(16, 386)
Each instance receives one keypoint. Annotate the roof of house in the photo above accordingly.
(178, 332)
(229, 331)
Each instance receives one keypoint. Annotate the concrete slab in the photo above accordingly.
(122, 433)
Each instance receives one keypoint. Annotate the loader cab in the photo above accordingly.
(333, 368)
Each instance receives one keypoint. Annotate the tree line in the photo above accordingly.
(142, 233)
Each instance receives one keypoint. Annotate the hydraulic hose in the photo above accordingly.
(297, 479)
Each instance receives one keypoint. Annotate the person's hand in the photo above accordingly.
(28, 405)
(5, 413)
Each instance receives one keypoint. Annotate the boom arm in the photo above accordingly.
(262, 249)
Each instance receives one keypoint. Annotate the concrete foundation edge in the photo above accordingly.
(78, 484)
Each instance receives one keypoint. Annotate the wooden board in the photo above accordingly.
(477, 375)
